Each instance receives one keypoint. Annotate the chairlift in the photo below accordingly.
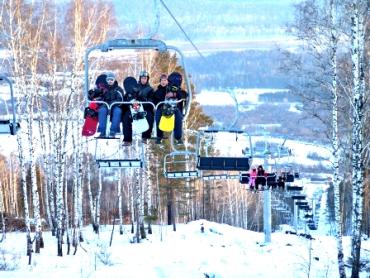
(294, 188)
(220, 177)
(304, 207)
(139, 44)
(220, 163)
(175, 165)
(118, 158)
(114, 155)
(298, 197)
(8, 122)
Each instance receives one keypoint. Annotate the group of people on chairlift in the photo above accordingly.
(107, 90)
(259, 177)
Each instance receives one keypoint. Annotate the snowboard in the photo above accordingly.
(167, 121)
(91, 120)
(139, 121)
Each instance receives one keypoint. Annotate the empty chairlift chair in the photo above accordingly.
(225, 164)
(180, 164)
(8, 122)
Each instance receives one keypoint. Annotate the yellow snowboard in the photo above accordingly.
(167, 123)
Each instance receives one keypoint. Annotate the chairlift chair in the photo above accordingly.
(139, 44)
(294, 188)
(114, 155)
(119, 159)
(9, 124)
(175, 163)
(298, 197)
(227, 164)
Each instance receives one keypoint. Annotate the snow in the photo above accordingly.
(222, 98)
(221, 251)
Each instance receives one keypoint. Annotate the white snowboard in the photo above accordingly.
(139, 122)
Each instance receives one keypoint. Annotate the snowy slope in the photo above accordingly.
(221, 251)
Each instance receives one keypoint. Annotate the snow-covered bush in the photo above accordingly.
(8, 261)
(104, 254)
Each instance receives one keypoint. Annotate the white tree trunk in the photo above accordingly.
(357, 44)
(335, 140)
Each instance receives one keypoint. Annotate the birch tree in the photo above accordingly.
(335, 139)
(358, 12)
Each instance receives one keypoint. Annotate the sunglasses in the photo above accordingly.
(110, 79)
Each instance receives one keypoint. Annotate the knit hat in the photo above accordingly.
(110, 75)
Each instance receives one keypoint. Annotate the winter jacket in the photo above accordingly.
(174, 92)
(109, 94)
(143, 93)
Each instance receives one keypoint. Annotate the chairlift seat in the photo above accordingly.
(271, 179)
(4, 126)
(7, 127)
(221, 177)
(298, 197)
(289, 178)
(119, 163)
(223, 163)
(304, 207)
(244, 178)
(294, 188)
(181, 174)
(301, 203)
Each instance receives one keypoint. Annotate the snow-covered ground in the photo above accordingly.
(221, 251)
(222, 97)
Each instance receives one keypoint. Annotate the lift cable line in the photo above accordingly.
(154, 31)
(182, 29)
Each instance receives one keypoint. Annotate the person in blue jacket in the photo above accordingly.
(108, 91)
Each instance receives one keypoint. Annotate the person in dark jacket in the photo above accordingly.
(170, 89)
(109, 92)
(142, 92)
(261, 177)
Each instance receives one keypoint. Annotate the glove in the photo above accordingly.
(174, 89)
(94, 93)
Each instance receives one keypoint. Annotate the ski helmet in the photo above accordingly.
(144, 73)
